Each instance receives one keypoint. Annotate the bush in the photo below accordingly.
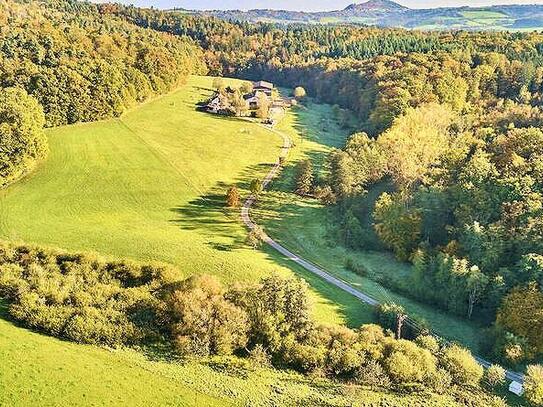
(462, 366)
(372, 375)
(440, 381)
(428, 342)
(259, 356)
(81, 297)
(494, 376)
(407, 363)
(204, 322)
(355, 267)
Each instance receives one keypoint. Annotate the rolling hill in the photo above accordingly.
(387, 13)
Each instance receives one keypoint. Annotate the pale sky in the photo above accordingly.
(309, 5)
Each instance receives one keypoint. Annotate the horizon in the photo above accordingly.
(310, 5)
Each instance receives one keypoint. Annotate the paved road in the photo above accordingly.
(246, 217)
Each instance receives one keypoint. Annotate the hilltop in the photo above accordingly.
(386, 13)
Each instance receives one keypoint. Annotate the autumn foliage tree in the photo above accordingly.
(204, 322)
(233, 197)
(521, 313)
(397, 225)
(22, 139)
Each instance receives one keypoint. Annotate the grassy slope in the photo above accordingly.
(130, 210)
(150, 186)
(301, 225)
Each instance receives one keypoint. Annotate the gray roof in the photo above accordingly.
(263, 84)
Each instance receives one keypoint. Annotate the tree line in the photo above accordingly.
(85, 299)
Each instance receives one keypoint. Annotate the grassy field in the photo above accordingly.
(308, 229)
(150, 186)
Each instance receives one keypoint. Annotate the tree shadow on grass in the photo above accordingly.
(209, 216)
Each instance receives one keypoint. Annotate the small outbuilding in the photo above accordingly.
(516, 388)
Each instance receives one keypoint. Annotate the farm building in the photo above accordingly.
(263, 86)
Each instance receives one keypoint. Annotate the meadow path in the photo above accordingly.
(246, 217)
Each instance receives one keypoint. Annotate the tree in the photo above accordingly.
(218, 84)
(521, 313)
(533, 385)
(494, 376)
(246, 87)
(22, 139)
(239, 104)
(254, 237)
(462, 366)
(256, 187)
(204, 322)
(233, 198)
(396, 225)
(263, 105)
(304, 177)
(415, 142)
(476, 283)
(299, 92)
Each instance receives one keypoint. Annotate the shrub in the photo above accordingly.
(372, 375)
(344, 354)
(259, 356)
(299, 92)
(428, 342)
(407, 363)
(462, 366)
(81, 297)
(440, 381)
(355, 267)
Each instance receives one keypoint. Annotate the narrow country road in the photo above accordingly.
(246, 217)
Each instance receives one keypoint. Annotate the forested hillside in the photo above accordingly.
(79, 65)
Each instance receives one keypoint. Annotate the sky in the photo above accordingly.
(309, 5)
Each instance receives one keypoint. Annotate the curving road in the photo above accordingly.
(246, 217)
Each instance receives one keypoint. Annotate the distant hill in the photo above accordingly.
(388, 13)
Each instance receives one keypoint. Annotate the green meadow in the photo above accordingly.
(150, 186)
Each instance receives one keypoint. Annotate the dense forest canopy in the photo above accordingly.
(87, 66)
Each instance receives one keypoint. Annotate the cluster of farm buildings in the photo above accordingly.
(262, 92)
